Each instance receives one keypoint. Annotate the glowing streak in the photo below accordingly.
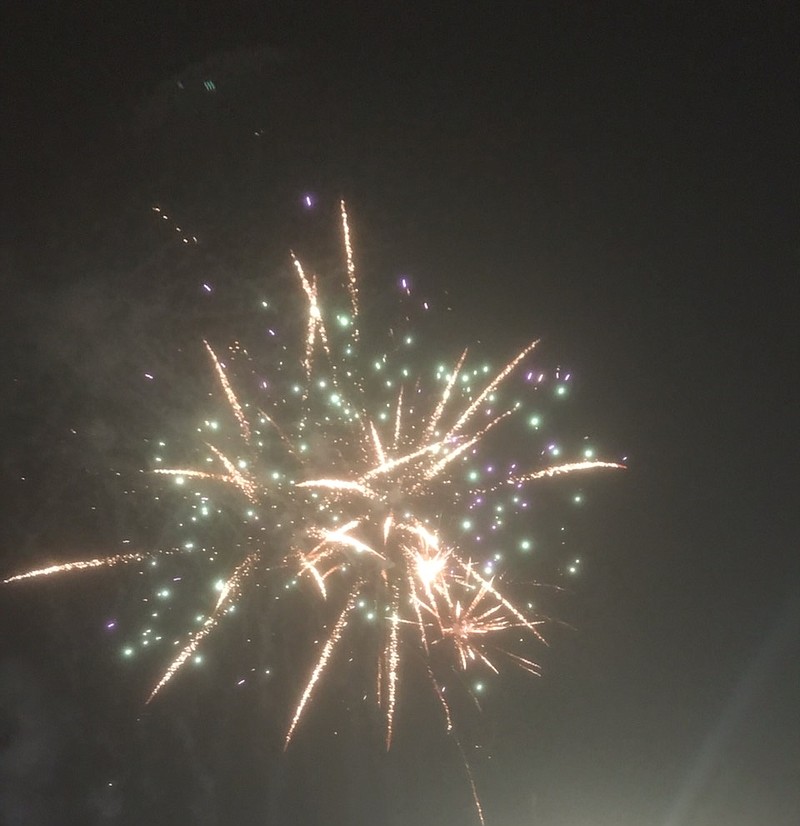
(439, 409)
(81, 565)
(376, 440)
(244, 426)
(510, 607)
(439, 466)
(379, 683)
(322, 662)
(393, 464)
(397, 420)
(342, 537)
(234, 476)
(556, 470)
(528, 665)
(315, 325)
(342, 485)
(319, 555)
(247, 486)
(468, 413)
(352, 283)
(191, 474)
(387, 527)
(227, 598)
(450, 729)
(429, 539)
(415, 602)
(276, 427)
(470, 777)
(469, 623)
(393, 663)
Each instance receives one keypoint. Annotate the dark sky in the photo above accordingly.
(619, 178)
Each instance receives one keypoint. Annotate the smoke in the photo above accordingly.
(29, 750)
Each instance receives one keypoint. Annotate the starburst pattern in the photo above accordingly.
(379, 472)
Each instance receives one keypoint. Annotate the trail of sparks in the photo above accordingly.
(322, 662)
(315, 326)
(352, 283)
(392, 658)
(557, 470)
(476, 800)
(228, 597)
(82, 565)
(444, 398)
(370, 483)
(465, 417)
(229, 394)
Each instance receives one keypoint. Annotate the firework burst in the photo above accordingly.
(383, 476)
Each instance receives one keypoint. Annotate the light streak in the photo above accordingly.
(322, 662)
(352, 283)
(81, 565)
(229, 394)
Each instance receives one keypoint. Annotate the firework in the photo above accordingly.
(384, 478)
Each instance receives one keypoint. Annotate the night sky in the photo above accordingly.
(621, 182)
